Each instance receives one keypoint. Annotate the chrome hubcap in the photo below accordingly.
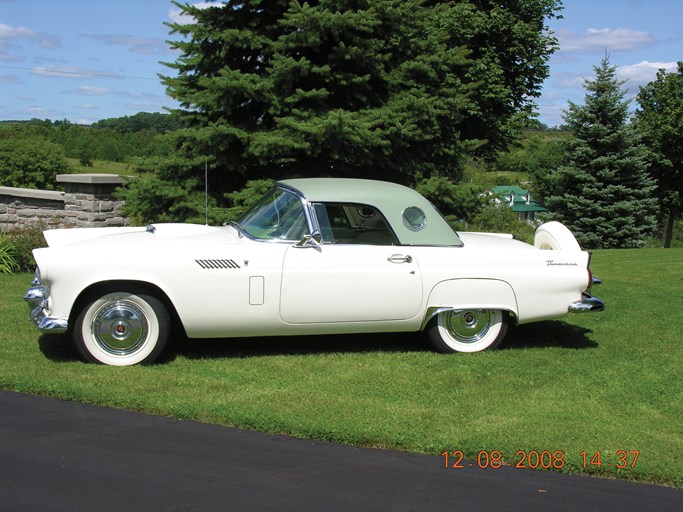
(468, 326)
(120, 327)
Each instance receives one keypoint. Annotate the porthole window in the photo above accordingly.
(365, 212)
(414, 218)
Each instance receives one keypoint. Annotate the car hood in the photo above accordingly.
(118, 235)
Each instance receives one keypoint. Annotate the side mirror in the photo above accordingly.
(315, 239)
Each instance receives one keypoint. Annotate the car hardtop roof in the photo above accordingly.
(390, 198)
(351, 190)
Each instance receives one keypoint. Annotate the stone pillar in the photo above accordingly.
(89, 200)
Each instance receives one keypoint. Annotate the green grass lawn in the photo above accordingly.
(605, 382)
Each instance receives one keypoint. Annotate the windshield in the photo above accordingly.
(278, 215)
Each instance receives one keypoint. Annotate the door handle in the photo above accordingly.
(400, 258)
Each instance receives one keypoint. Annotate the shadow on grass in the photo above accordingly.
(301, 345)
(59, 348)
(539, 335)
(552, 333)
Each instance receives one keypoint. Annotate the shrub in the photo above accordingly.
(8, 264)
(22, 243)
(501, 219)
(32, 162)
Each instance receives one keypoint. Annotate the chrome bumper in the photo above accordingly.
(588, 304)
(37, 298)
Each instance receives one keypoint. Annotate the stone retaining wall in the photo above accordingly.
(87, 201)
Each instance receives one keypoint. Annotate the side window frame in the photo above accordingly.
(320, 210)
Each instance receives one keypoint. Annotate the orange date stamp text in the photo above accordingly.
(543, 459)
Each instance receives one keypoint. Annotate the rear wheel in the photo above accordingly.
(122, 328)
(468, 330)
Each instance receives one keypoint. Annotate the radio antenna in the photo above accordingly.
(206, 193)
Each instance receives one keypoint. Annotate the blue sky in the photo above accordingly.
(85, 60)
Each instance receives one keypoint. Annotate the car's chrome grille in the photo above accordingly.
(217, 264)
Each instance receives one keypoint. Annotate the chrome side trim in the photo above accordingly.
(311, 219)
(37, 299)
(432, 313)
(588, 304)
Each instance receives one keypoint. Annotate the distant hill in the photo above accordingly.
(151, 121)
(154, 121)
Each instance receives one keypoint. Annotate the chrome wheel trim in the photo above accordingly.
(468, 326)
(120, 327)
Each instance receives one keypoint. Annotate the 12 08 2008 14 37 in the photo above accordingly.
(543, 459)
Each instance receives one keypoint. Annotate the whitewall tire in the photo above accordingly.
(469, 330)
(122, 329)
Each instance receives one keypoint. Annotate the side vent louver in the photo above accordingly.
(217, 264)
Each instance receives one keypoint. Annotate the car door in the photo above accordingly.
(351, 278)
(349, 283)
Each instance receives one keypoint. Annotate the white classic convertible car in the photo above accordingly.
(313, 256)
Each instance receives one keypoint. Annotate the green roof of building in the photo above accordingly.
(521, 199)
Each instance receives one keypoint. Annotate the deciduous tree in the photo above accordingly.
(660, 120)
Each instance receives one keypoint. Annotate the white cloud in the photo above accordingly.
(43, 40)
(642, 73)
(635, 75)
(601, 39)
(71, 72)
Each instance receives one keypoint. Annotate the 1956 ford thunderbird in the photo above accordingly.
(313, 256)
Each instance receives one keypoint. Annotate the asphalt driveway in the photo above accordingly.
(67, 456)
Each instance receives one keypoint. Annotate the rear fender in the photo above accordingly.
(470, 294)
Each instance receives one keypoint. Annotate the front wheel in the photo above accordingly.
(468, 330)
(122, 329)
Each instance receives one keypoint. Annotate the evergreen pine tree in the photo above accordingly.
(388, 89)
(604, 193)
(400, 90)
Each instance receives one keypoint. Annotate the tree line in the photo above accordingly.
(33, 152)
(407, 91)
